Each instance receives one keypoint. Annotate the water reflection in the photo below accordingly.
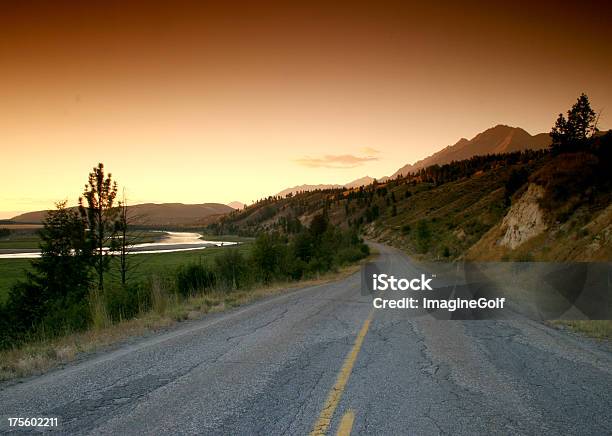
(170, 242)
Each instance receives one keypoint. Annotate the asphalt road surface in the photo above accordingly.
(321, 359)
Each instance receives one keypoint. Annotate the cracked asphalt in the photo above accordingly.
(267, 369)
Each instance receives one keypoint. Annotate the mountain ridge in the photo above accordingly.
(155, 214)
(498, 139)
(366, 180)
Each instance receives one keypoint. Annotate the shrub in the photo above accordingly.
(99, 315)
(350, 254)
(423, 236)
(268, 257)
(194, 278)
(125, 302)
(297, 268)
(64, 316)
(567, 175)
(232, 269)
(7, 331)
(303, 246)
(517, 178)
(160, 299)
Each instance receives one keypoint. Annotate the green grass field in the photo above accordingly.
(20, 241)
(161, 263)
(12, 270)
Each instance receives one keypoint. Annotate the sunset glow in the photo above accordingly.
(193, 103)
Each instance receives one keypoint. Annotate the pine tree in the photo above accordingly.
(100, 215)
(572, 132)
(54, 296)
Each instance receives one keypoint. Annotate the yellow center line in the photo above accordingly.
(346, 425)
(333, 399)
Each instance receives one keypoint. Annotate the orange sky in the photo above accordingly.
(193, 102)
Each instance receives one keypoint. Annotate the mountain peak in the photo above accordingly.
(360, 182)
(498, 139)
(363, 181)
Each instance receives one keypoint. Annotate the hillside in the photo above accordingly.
(157, 215)
(498, 139)
(388, 205)
(526, 205)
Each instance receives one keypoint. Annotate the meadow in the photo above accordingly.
(143, 265)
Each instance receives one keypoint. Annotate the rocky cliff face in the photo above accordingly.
(525, 219)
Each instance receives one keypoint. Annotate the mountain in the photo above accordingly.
(527, 206)
(498, 139)
(364, 181)
(307, 188)
(238, 205)
(151, 214)
(169, 214)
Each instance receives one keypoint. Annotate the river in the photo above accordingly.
(170, 242)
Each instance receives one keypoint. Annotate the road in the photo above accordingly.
(321, 358)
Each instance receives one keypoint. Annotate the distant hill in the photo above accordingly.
(498, 139)
(151, 214)
(307, 188)
(238, 205)
(364, 181)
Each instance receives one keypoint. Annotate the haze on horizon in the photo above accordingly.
(198, 102)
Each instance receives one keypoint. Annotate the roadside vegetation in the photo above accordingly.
(85, 281)
(598, 329)
(168, 288)
(41, 354)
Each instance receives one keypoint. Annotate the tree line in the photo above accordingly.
(77, 246)
(67, 289)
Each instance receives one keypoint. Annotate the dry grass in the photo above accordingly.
(598, 329)
(39, 357)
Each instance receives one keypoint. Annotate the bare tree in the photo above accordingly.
(127, 238)
(124, 245)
